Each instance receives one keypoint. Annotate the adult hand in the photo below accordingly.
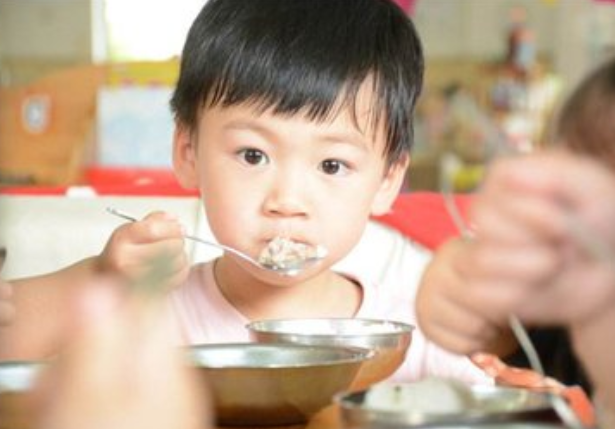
(538, 219)
(456, 313)
(120, 369)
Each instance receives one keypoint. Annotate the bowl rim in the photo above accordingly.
(345, 401)
(352, 355)
(259, 327)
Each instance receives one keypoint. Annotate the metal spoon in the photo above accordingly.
(290, 267)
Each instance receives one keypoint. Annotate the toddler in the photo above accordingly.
(293, 119)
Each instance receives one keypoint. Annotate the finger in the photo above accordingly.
(162, 224)
(496, 277)
(167, 250)
(570, 177)
(465, 322)
(503, 214)
(575, 187)
(454, 325)
(577, 295)
(529, 262)
(134, 260)
(574, 182)
(461, 342)
(154, 227)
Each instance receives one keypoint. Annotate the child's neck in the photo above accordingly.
(326, 295)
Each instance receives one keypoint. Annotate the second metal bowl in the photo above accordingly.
(389, 340)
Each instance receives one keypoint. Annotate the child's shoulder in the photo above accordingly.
(386, 258)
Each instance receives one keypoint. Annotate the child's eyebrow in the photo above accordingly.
(244, 125)
(354, 138)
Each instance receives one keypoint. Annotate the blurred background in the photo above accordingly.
(84, 84)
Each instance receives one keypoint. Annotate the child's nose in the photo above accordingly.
(287, 197)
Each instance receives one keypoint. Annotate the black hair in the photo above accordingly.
(303, 56)
(586, 122)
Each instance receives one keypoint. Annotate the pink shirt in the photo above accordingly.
(205, 316)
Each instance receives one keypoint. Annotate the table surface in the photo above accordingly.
(327, 418)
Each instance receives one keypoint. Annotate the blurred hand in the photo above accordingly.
(120, 370)
(134, 247)
(524, 259)
(450, 309)
(534, 217)
(543, 251)
(7, 309)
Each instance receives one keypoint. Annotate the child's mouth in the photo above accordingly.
(282, 252)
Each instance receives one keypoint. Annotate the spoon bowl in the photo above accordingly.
(285, 267)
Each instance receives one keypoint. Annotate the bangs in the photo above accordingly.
(306, 92)
(286, 87)
(303, 57)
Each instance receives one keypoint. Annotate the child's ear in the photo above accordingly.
(390, 186)
(184, 157)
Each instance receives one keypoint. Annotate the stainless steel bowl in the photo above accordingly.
(493, 405)
(390, 340)
(274, 384)
(16, 383)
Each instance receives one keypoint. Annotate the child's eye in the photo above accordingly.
(253, 156)
(333, 167)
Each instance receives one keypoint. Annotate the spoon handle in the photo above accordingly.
(236, 252)
(121, 214)
(287, 268)
(222, 247)
(526, 344)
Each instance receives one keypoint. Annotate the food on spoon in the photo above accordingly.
(433, 395)
(281, 253)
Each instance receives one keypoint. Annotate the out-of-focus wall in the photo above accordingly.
(477, 28)
(573, 35)
(39, 36)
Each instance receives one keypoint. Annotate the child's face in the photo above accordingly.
(262, 176)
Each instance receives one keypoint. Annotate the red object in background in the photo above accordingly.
(135, 181)
(423, 217)
(115, 181)
(407, 5)
(106, 176)
(605, 1)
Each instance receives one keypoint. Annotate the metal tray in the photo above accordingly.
(494, 405)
